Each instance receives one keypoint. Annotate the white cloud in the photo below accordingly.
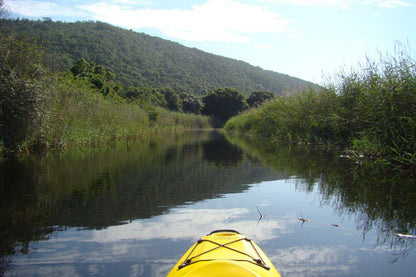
(310, 3)
(33, 8)
(214, 20)
(133, 2)
(391, 3)
(343, 4)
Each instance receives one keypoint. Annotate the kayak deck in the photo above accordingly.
(224, 253)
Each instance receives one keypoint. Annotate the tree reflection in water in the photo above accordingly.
(100, 188)
(96, 189)
(378, 199)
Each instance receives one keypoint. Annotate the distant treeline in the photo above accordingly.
(85, 105)
(221, 104)
(370, 113)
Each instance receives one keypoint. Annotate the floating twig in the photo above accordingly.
(260, 215)
(302, 219)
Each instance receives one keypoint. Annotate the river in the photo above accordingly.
(133, 209)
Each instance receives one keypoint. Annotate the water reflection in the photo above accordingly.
(221, 152)
(189, 224)
(375, 198)
(134, 209)
(98, 189)
(317, 260)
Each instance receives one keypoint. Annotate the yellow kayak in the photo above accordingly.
(224, 253)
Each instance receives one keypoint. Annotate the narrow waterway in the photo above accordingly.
(133, 210)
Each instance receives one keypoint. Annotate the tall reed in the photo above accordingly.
(371, 111)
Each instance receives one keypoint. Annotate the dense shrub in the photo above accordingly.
(224, 103)
(23, 93)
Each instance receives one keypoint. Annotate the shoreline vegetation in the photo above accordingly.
(368, 114)
(43, 110)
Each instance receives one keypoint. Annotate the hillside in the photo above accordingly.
(140, 60)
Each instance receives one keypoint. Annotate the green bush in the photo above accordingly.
(224, 103)
(23, 93)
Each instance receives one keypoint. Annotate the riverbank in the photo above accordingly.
(76, 117)
(42, 110)
(366, 114)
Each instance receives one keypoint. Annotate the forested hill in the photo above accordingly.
(140, 60)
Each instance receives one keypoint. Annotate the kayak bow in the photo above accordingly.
(224, 253)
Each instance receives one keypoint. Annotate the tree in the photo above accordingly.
(259, 97)
(172, 98)
(82, 67)
(22, 93)
(224, 103)
(151, 95)
(191, 103)
(96, 75)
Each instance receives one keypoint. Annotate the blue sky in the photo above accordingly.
(309, 39)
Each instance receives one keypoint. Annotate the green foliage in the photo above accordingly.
(173, 100)
(257, 98)
(140, 60)
(303, 118)
(23, 93)
(79, 108)
(180, 121)
(150, 95)
(81, 116)
(162, 97)
(372, 112)
(383, 108)
(191, 103)
(224, 103)
(97, 75)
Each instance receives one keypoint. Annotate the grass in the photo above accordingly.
(77, 116)
(370, 111)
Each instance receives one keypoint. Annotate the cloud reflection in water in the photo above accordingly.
(192, 224)
(315, 260)
(150, 247)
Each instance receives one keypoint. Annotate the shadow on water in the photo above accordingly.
(100, 188)
(220, 152)
(378, 199)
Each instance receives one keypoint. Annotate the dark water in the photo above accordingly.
(133, 210)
